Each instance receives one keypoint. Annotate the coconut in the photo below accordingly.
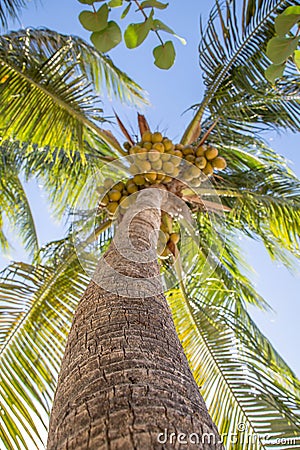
(219, 163)
(190, 158)
(201, 150)
(168, 167)
(168, 144)
(114, 195)
(153, 155)
(157, 165)
(147, 145)
(208, 169)
(146, 136)
(188, 150)
(104, 200)
(200, 162)
(211, 153)
(139, 180)
(175, 237)
(112, 207)
(151, 177)
(156, 137)
(145, 166)
(159, 146)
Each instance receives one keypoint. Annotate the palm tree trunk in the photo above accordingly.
(125, 382)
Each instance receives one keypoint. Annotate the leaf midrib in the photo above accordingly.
(64, 105)
(195, 325)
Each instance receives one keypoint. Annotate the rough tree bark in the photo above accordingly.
(125, 382)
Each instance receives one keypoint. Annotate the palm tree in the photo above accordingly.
(122, 351)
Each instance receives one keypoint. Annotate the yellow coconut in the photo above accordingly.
(201, 150)
(188, 150)
(147, 145)
(157, 165)
(112, 207)
(104, 200)
(119, 186)
(156, 137)
(166, 157)
(139, 180)
(159, 146)
(114, 195)
(200, 162)
(208, 169)
(211, 153)
(132, 188)
(151, 177)
(168, 168)
(175, 237)
(219, 163)
(195, 171)
(153, 155)
(168, 144)
(190, 158)
(144, 166)
(178, 153)
(146, 136)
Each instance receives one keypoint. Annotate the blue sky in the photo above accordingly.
(171, 93)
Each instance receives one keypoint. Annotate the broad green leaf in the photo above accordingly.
(126, 11)
(274, 71)
(154, 4)
(280, 48)
(108, 38)
(297, 58)
(115, 3)
(164, 55)
(285, 21)
(159, 25)
(94, 21)
(87, 2)
(136, 33)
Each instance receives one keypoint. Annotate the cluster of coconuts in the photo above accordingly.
(167, 236)
(153, 163)
(158, 160)
(116, 195)
(204, 159)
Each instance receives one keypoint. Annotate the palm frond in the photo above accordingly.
(238, 371)
(37, 305)
(265, 204)
(62, 179)
(263, 195)
(233, 61)
(47, 92)
(15, 205)
(218, 249)
(10, 9)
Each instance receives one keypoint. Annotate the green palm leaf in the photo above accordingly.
(236, 367)
(37, 305)
(15, 206)
(61, 178)
(10, 9)
(263, 196)
(46, 95)
(233, 61)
